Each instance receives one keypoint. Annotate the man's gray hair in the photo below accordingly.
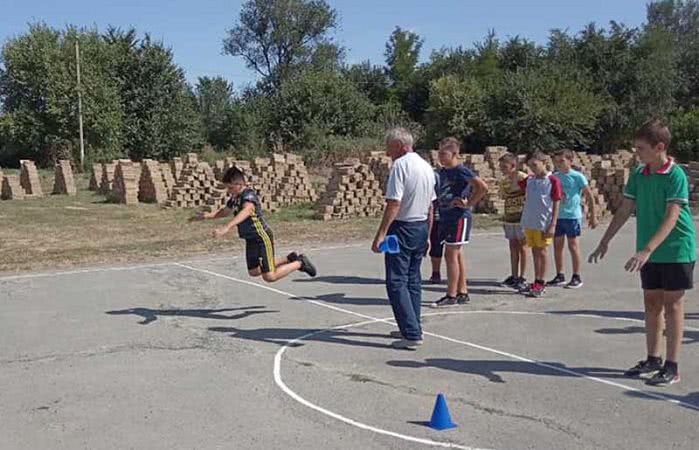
(400, 134)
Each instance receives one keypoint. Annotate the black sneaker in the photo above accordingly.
(307, 266)
(520, 285)
(558, 280)
(644, 369)
(291, 257)
(462, 298)
(445, 302)
(664, 377)
(575, 282)
(509, 281)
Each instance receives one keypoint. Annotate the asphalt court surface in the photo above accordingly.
(198, 355)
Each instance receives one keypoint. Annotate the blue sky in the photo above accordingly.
(195, 29)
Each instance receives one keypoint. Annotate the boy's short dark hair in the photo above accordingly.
(233, 175)
(451, 143)
(510, 158)
(538, 156)
(566, 153)
(654, 132)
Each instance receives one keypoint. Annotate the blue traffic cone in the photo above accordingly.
(390, 245)
(441, 420)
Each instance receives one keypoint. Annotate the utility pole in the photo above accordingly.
(80, 106)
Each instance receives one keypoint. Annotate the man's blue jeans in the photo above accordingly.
(403, 276)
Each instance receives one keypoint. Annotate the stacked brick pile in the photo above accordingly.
(292, 182)
(11, 188)
(168, 177)
(176, 166)
(152, 187)
(29, 179)
(195, 185)
(63, 182)
(380, 165)
(96, 176)
(353, 191)
(125, 183)
(107, 180)
(609, 175)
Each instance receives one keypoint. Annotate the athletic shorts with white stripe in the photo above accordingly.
(260, 253)
(455, 232)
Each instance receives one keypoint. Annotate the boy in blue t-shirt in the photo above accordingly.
(458, 191)
(573, 184)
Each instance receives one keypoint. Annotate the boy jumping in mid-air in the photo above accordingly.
(259, 242)
(513, 195)
(457, 192)
(573, 183)
(539, 216)
(665, 248)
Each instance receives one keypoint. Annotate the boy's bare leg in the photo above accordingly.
(575, 254)
(451, 255)
(463, 289)
(539, 263)
(514, 256)
(522, 259)
(674, 323)
(653, 301)
(558, 245)
(281, 271)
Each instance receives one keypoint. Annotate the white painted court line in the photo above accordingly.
(148, 266)
(445, 338)
(280, 382)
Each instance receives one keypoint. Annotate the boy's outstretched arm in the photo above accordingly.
(221, 212)
(244, 213)
(620, 217)
(672, 213)
(587, 191)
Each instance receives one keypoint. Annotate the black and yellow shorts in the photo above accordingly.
(259, 252)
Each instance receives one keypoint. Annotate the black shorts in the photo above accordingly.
(259, 252)
(667, 276)
(456, 232)
(435, 243)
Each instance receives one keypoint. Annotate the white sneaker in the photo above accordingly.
(407, 344)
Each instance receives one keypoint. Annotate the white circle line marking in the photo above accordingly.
(370, 320)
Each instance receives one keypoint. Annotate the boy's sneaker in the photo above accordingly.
(644, 369)
(575, 282)
(509, 281)
(307, 266)
(407, 344)
(462, 298)
(396, 334)
(520, 285)
(558, 280)
(291, 257)
(664, 377)
(445, 302)
(536, 290)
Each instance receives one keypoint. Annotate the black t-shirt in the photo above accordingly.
(255, 225)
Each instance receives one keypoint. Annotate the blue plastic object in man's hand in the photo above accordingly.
(390, 244)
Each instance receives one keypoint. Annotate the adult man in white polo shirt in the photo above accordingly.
(410, 191)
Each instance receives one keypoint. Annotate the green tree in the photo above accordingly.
(685, 135)
(314, 104)
(545, 108)
(214, 99)
(160, 119)
(681, 20)
(275, 36)
(370, 80)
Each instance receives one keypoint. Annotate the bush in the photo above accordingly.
(685, 135)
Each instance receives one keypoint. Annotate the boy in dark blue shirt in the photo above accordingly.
(458, 191)
(252, 227)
